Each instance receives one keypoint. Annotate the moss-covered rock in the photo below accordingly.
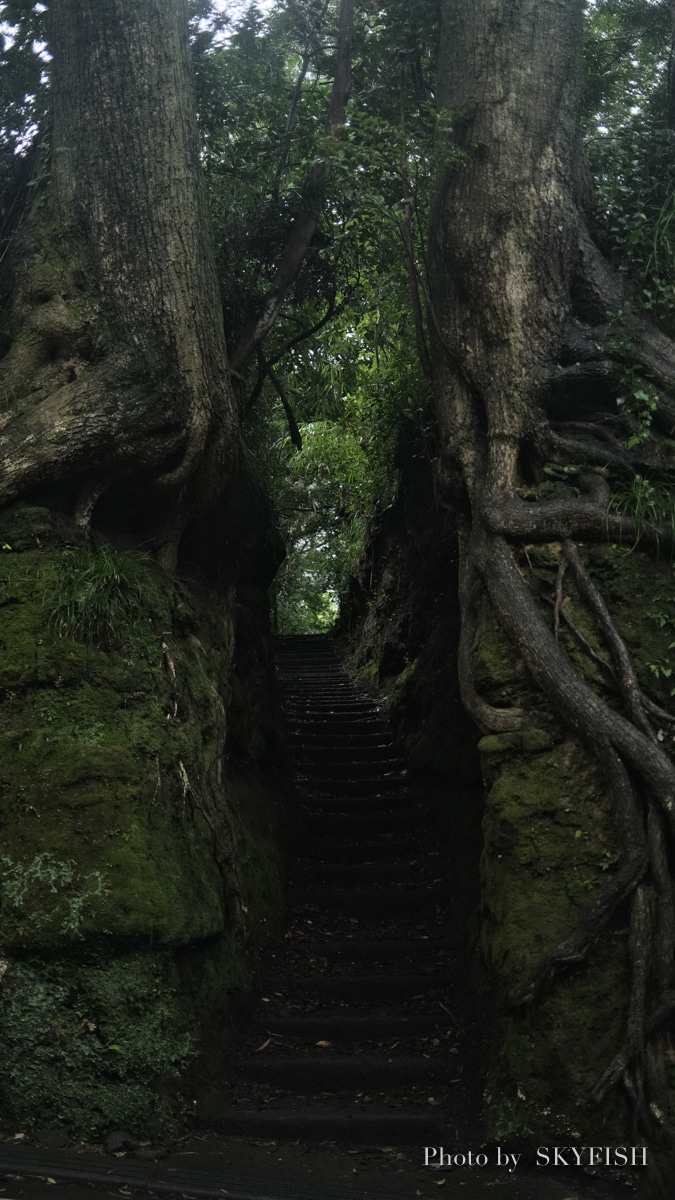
(123, 836)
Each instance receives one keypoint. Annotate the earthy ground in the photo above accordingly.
(243, 1169)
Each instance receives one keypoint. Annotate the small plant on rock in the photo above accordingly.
(98, 597)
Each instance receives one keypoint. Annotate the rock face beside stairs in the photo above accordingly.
(356, 1033)
(139, 866)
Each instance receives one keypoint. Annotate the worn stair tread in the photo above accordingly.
(384, 989)
(339, 1027)
(313, 871)
(378, 896)
(370, 803)
(365, 763)
(373, 949)
(368, 787)
(334, 1070)
(398, 1128)
(387, 846)
(363, 818)
(346, 739)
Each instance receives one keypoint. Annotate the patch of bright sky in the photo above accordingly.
(235, 9)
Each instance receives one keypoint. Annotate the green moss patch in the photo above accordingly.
(94, 1045)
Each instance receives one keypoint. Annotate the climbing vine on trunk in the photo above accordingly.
(527, 371)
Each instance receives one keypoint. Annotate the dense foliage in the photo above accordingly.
(346, 362)
(339, 371)
(630, 131)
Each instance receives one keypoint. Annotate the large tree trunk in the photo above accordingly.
(117, 398)
(519, 304)
(118, 365)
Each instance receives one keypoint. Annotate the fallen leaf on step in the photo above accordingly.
(264, 1045)
(324, 1044)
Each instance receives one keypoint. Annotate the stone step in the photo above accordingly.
(343, 875)
(367, 950)
(360, 1029)
(352, 763)
(383, 990)
(366, 1128)
(365, 786)
(330, 1071)
(370, 902)
(388, 846)
(337, 723)
(364, 826)
(330, 739)
(359, 802)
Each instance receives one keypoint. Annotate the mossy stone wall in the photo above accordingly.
(548, 849)
(139, 872)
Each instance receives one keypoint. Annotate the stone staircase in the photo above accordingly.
(356, 1035)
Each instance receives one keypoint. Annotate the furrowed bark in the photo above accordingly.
(115, 267)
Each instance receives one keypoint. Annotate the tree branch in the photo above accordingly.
(296, 436)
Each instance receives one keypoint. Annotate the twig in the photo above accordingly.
(602, 662)
(558, 596)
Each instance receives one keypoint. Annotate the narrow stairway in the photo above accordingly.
(355, 1037)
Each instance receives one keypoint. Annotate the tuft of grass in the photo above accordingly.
(99, 596)
(648, 505)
